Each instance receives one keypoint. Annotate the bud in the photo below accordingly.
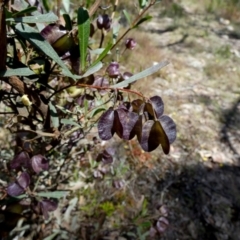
(104, 22)
(130, 43)
(113, 70)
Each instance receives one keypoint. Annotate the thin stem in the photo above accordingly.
(8, 112)
(114, 9)
(102, 38)
(133, 23)
(111, 88)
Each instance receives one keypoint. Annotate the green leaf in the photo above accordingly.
(103, 54)
(93, 69)
(56, 194)
(142, 3)
(115, 31)
(25, 11)
(52, 236)
(66, 121)
(127, 17)
(96, 111)
(42, 18)
(147, 72)
(54, 115)
(83, 35)
(68, 22)
(34, 37)
(16, 72)
(46, 5)
(142, 20)
(67, 5)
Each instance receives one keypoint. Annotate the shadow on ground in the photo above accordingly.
(204, 199)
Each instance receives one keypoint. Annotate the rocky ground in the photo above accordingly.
(199, 181)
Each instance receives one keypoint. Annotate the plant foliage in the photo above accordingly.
(61, 80)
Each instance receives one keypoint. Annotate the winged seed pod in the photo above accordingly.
(142, 119)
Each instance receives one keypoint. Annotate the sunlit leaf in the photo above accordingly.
(142, 3)
(143, 74)
(52, 236)
(25, 11)
(41, 18)
(142, 20)
(96, 111)
(55, 194)
(93, 69)
(67, 5)
(105, 125)
(103, 54)
(54, 115)
(83, 35)
(34, 37)
(16, 72)
(126, 14)
(46, 5)
(69, 122)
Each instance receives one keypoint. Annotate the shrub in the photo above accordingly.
(61, 79)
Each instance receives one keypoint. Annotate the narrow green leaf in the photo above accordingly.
(25, 11)
(20, 196)
(16, 72)
(46, 5)
(127, 16)
(115, 31)
(68, 22)
(86, 105)
(93, 69)
(56, 194)
(34, 37)
(54, 115)
(66, 121)
(142, 20)
(67, 5)
(96, 111)
(97, 51)
(83, 35)
(52, 236)
(142, 3)
(147, 72)
(103, 54)
(42, 18)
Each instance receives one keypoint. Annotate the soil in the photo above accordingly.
(199, 182)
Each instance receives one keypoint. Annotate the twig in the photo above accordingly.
(138, 18)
